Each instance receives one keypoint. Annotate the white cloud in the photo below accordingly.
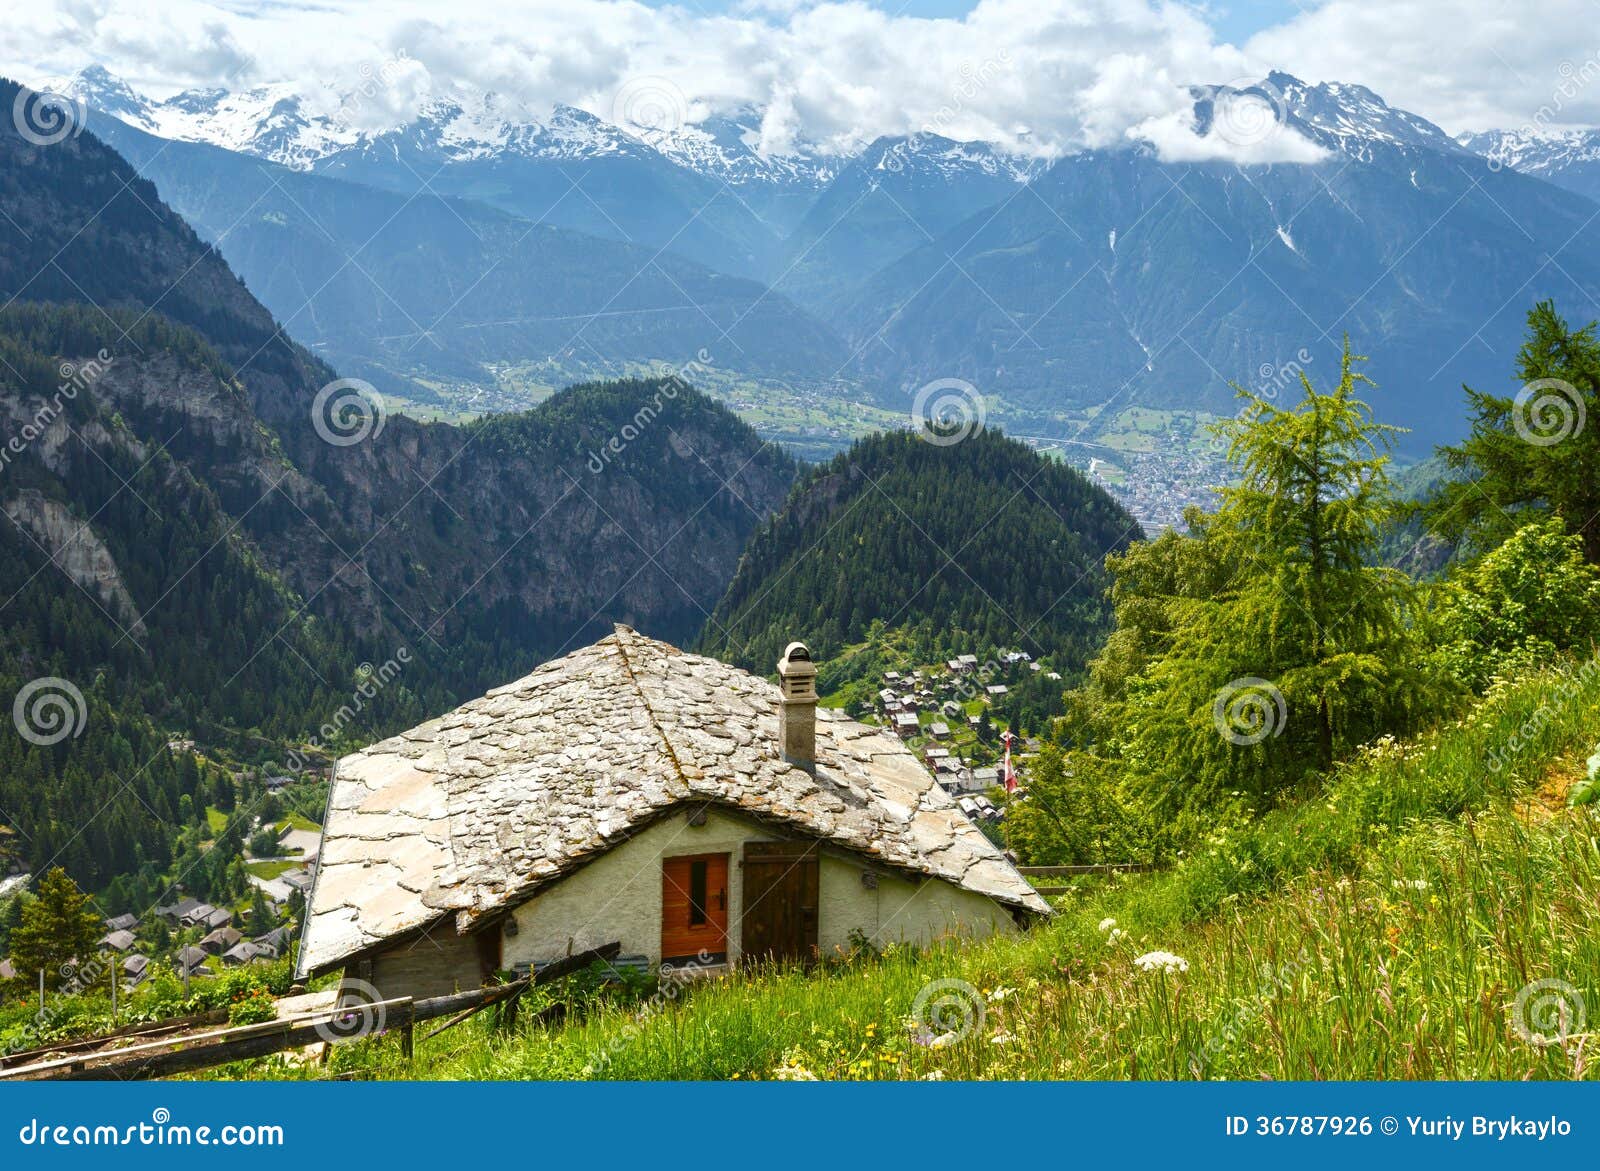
(1246, 129)
(1038, 75)
(1466, 64)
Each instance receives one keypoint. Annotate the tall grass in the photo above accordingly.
(1384, 929)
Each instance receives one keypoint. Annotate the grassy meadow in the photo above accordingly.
(1433, 911)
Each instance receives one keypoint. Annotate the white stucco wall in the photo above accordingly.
(618, 897)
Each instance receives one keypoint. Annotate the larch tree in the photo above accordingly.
(1302, 648)
(1534, 453)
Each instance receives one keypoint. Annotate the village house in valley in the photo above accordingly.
(630, 792)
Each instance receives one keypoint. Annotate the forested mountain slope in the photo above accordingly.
(208, 535)
(975, 543)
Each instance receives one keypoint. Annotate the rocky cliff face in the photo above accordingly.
(485, 547)
(515, 537)
(77, 551)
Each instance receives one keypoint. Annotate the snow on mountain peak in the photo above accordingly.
(1349, 119)
(300, 127)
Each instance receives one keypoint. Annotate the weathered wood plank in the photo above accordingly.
(142, 1029)
(162, 1058)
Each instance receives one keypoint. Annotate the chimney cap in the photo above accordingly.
(795, 652)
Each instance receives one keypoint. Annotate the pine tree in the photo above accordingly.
(57, 931)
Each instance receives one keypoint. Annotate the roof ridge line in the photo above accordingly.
(622, 634)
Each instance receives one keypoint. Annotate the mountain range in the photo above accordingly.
(484, 547)
(211, 539)
(480, 251)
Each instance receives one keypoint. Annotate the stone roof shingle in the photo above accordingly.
(472, 812)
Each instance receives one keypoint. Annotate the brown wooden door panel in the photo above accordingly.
(782, 891)
(694, 907)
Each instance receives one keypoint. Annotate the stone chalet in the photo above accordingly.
(629, 792)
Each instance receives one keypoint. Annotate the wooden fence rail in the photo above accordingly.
(75, 1061)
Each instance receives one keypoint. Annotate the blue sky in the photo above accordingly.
(1235, 20)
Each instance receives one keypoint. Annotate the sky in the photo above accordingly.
(1033, 75)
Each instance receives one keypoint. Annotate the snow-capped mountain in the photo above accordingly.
(1569, 158)
(268, 121)
(324, 130)
(933, 157)
(728, 147)
(1045, 282)
(1348, 119)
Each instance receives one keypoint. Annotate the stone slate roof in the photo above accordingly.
(474, 811)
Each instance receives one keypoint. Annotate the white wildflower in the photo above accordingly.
(935, 1076)
(1002, 1038)
(1162, 961)
(1106, 924)
(1000, 994)
(794, 1073)
(1116, 934)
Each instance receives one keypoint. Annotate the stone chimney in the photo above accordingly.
(797, 707)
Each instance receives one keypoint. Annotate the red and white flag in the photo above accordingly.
(1008, 772)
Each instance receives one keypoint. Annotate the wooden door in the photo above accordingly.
(694, 908)
(782, 883)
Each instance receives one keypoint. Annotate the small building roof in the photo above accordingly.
(476, 811)
(118, 940)
(277, 938)
(221, 939)
(178, 909)
(121, 923)
(244, 952)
